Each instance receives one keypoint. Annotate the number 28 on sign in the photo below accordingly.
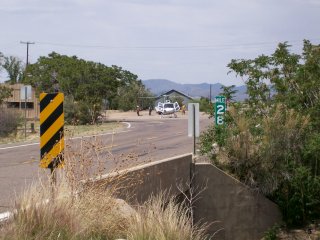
(220, 109)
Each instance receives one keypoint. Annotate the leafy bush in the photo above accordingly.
(9, 122)
(274, 155)
(272, 232)
(299, 197)
(273, 139)
(204, 105)
(80, 112)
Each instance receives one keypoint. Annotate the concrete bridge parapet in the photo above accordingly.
(234, 210)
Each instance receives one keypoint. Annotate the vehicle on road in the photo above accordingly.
(167, 108)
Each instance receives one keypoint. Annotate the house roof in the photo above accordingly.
(174, 91)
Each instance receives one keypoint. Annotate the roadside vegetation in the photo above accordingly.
(75, 208)
(271, 142)
(12, 131)
(89, 87)
(9, 122)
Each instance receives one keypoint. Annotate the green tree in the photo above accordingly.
(1, 60)
(89, 84)
(228, 92)
(5, 92)
(132, 95)
(283, 77)
(204, 105)
(14, 68)
(272, 141)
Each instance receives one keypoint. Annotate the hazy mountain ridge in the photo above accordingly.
(159, 86)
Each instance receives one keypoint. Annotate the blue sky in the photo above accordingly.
(186, 41)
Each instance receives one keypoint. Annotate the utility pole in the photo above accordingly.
(25, 87)
(28, 43)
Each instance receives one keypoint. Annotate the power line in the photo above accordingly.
(27, 43)
(218, 46)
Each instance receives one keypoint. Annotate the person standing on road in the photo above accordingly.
(183, 109)
(138, 110)
(150, 110)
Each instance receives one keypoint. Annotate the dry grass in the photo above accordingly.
(70, 131)
(162, 218)
(79, 207)
(256, 153)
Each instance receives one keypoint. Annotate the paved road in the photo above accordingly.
(141, 140)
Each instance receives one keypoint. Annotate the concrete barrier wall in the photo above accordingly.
(226, 203)
(232, 207)
(139, 183)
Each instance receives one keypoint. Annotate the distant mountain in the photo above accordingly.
(160, 86)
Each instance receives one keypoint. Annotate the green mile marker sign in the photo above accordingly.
(220, 109)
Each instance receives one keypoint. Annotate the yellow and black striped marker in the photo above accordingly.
(51, 130)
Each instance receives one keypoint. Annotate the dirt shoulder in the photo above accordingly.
(144, 115)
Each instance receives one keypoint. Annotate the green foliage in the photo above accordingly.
(14, 68)
(311, 152)
(204, 105)
(272, 232)
(273, 139)
(132, 95)
(206, 139)
(9, 122)
(1, 60)
(5, 92)
(214, 135)
(70, 111)
(299, 197)
(283, 77)
(228, 92)
(79, 112)
(89, 84)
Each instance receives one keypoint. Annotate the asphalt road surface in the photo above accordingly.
(140, 140)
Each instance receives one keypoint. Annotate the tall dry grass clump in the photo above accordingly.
(90, 215)
(162, 218)
(38, 216)
(85, 205)
(258, 153)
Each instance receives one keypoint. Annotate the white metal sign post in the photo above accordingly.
(25, 94)
(193, 123)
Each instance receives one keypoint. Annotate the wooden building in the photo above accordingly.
(25, 104)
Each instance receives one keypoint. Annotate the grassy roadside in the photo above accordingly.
(70, 131)
(81, 209)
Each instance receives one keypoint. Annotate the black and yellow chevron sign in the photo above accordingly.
(51, 130)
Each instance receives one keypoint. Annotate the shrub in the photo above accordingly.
(271, 233)
(299, 197)
(258, 152)
(9, 122)
(80, 112)
(275, 155)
